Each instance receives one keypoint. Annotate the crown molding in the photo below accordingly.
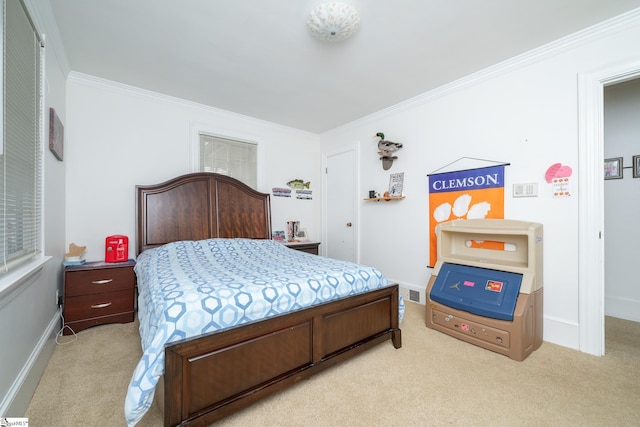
(604, 29)
(110, 85)
(42, 16)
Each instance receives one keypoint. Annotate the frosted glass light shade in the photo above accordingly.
(333, 21)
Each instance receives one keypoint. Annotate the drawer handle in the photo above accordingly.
(102, 282)
(106, 304)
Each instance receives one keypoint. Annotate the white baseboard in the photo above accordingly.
(409, 292)
(561, 332)
(623, 308)
(19, 395)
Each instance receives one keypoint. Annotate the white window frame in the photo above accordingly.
(198, 128)
(38, 254)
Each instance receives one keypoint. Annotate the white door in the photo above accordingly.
(340, 208)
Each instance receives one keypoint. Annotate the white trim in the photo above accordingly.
(43, 18)
(37, 357)
(405, 288)
(97, 82)
(561, 332)
(595, 32)
(355, 147)
(194, 147)
(622, 308)
(591, 203)
(12, 281)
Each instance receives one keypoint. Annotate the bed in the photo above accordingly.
(240, 356)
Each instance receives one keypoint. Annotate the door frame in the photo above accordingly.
(355, 147)
(591, 201)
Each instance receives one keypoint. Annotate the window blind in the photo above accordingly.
(234, 158)
(21, 152)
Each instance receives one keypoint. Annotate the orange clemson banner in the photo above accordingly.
(474, 193)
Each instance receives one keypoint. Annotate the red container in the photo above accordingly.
(117, 249)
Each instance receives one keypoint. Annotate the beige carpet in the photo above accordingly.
(433, 380)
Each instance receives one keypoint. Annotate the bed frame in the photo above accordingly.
(214, 375)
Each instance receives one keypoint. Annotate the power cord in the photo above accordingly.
(61, 332)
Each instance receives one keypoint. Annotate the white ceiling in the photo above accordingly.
(256, 57)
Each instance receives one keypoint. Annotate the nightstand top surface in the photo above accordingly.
(294, 243)
(100, 264)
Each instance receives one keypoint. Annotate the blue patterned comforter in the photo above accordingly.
(189, 288)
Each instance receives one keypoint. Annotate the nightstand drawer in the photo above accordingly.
(86, 282)
(96, 293)
(89, 306)
(308, 247)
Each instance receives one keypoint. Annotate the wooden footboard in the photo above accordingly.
(210, 377)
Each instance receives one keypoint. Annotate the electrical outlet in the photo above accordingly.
(57, 298)
(525, 190)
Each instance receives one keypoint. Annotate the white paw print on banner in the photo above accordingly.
(461, 209)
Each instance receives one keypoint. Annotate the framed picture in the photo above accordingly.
(301, 235)
(56, 134)
(396, 184)
(636, 166)
(613, 168)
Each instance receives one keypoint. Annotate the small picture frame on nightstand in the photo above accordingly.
(301, 235)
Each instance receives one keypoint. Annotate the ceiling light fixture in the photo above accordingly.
(333, 21)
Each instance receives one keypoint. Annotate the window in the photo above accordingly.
(21, 149)
(231, 157)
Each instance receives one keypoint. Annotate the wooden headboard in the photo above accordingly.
(199, 206)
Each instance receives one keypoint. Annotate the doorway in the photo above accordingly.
(591, 204)
(622, 201)
(340, 207)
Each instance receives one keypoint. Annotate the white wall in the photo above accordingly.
(523, 112)
(29, 314)
(622, 202)
(120, 136)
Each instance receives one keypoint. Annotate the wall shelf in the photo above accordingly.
(386, 199)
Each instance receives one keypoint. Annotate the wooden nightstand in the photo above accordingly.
(309, 247)
(96, 293)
